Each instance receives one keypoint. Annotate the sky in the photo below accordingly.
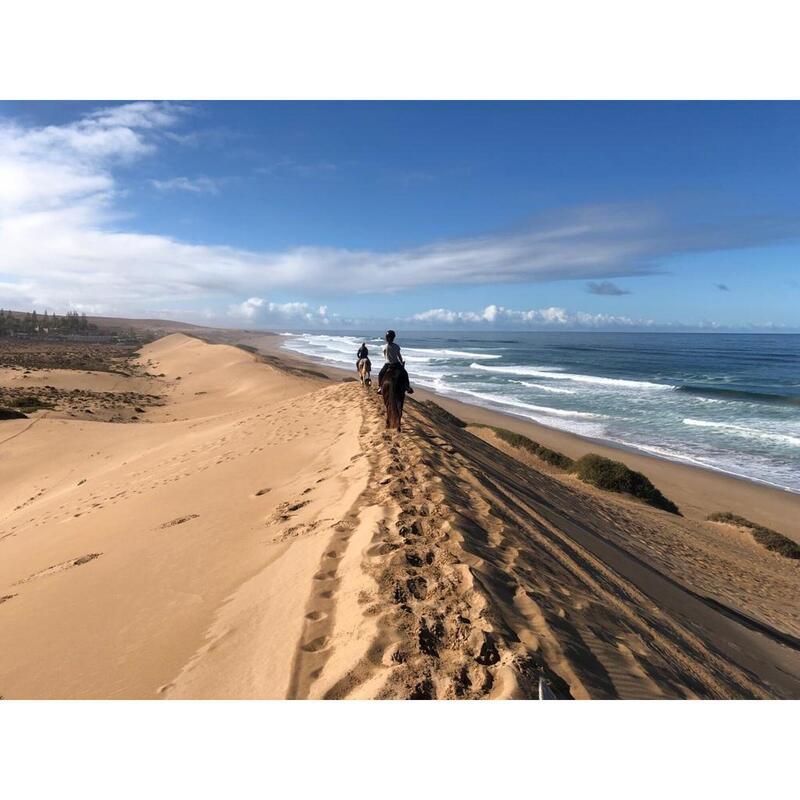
(300, 215)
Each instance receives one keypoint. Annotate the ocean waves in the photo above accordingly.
(555, 373)
(721, 393)
(429, 354)
(740, 430)
(543, 387)
(505, 400)
(702, 400)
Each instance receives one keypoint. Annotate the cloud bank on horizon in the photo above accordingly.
(68, 240)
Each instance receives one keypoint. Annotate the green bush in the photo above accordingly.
(602, 472)
(539, 450)
(766, 537)
(28, 403)
(616, 477)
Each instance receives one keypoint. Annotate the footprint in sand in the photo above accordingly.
(302, 530)
(282, 512)
(178, 521)
(75, 562)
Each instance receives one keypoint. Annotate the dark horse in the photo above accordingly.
(394, 395)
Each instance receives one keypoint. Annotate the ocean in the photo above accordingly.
(728, 402)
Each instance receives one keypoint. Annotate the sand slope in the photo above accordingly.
(263, 536)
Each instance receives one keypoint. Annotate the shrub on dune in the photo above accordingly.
(601, 472)
(614, 476)
(11, 413)
(539, 450)
(30, 403)
(766, 537)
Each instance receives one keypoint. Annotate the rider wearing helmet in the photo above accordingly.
(394, 360)
(363, 352)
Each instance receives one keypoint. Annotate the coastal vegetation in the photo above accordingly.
(604, 473)
(772, 540)
(11, 413)
(614, 476)
(31, 323)
(547, 455)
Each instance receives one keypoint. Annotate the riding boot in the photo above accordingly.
(381, 376)
(409, 390)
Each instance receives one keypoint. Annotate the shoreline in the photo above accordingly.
(698, 491)
(261, 535)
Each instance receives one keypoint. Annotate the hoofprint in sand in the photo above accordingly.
(265, 537)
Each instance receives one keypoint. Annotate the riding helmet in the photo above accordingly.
(390, 336)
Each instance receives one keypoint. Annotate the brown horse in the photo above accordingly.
(364, 371)
(394, 395)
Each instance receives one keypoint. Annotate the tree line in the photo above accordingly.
(32, 323)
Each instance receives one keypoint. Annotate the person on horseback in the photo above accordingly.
(394, 360)
(363, 352)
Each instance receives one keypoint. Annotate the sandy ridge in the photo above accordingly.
(265, 537)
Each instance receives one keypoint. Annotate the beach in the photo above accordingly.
(698, 491)
(255, 532)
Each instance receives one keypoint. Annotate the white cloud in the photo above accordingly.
(78, 244)
(141, 114)
(71, 165)
(199, 185)
(256, 309)
(63, 242)
(288, 166)
(536, 317)
(247, 309)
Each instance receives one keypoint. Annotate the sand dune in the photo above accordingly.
(264, 537)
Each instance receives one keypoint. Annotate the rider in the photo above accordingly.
(391, 352)
(363, 352)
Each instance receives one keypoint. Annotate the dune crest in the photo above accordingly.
(265, 537)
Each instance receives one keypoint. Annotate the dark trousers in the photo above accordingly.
(387, 367)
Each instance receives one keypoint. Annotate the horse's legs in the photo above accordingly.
(392, 416)
(387, 405)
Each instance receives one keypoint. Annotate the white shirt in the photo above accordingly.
(391, 352)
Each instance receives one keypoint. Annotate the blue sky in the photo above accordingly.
(536, 215)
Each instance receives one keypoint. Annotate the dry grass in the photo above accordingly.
(552, 457)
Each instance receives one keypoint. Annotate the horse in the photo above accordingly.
(394, 394)
(364, 371)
